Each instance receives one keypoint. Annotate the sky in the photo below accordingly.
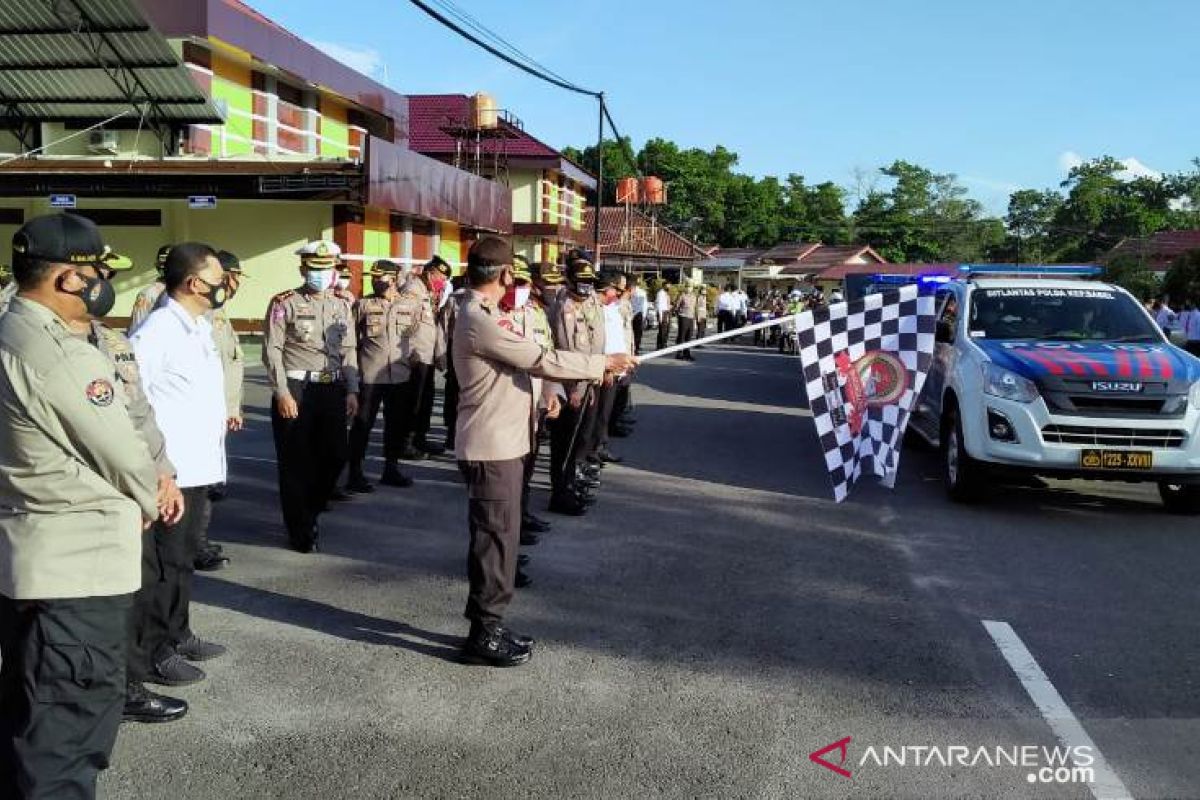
(1006, 94)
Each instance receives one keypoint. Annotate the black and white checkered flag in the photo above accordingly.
(864, 365)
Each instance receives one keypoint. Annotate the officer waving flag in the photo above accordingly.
(864, 365)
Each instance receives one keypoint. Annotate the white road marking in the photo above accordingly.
(1068, 729)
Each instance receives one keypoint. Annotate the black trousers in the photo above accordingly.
(701, 327)
(568, 443)
(686, 328)
(620, 404)
(528, 466)
(724, 321)
(370, 397)
(494, 520)
(450, 404)
(639, 327)
(62, 691)
(311, 451)
(664, 331)
(160, 612)
(418, 402)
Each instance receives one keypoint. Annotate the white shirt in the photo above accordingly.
(663, 301)
(1165, 318)
(1191, 327)
(185, 383)
(614, 330)
(639, 300)
(741, 302)
(725, 302)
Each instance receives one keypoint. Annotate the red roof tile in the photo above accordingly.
(823, 256)
(430, 114)
(842, 270)
(634, 234)
(1157, 250)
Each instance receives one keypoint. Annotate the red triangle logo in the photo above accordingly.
(842, 746)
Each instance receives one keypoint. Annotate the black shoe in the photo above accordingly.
(338, 496)
(523, 580)
(493, 649)
(175, 671)
(584, 482)
(210, 561)
(216, 493)
(359, 485)
(532, 524)
(529, 539)
(392, 476)
(194, 648)
(449, 444)
(517, 638)
(591, 470)
(567, 503)
(143, 705)
(608, 458)
(522, 560)
(412, 453)
(431, 449)
(306, 544)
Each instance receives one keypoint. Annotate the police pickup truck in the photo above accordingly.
(1039, 371)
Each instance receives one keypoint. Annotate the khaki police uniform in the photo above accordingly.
(74, 489)
(145, 302)
(496, 430)
(424, 346)
(701, 312)
(383, 326)
(310, 352)
(685, 311)
(450, 390)
(233, 361)
(578, 327)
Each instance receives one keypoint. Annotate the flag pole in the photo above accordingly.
(716, 337)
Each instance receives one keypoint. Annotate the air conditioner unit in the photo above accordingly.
(103, 143)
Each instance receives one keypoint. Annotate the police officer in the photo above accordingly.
(74, 498)
(701, 310)
(495, 433)
(233, 362)
(312, 366)
(450, 391)
(151, 604)
(423, 288)
(578, 325)
(382, 324)
(147, 298)
(685, 312)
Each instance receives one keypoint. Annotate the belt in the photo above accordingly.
(320, 376)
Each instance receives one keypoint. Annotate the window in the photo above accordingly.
(948, 316)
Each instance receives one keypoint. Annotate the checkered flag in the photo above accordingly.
(864, 365)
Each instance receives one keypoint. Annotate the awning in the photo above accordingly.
(88, 60)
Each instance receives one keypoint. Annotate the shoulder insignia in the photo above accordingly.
(99, 392)
(283, 296)
(507, 324)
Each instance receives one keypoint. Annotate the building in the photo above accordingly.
(173, 120)
(548, 189)
(786, 265)
(1157, 251)
(633, 241)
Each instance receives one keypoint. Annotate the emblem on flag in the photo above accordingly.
(864, 364)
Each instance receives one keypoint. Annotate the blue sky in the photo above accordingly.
(1004, 93)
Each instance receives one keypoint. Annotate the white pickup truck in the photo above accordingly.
(1036, 372)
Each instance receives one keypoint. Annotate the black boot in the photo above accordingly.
(523, 580)
(490, 646)
(392, 476)
(410, 452)
(532, 524)
(358, 483)
(143, 705)
(568, 503)
(431, 449)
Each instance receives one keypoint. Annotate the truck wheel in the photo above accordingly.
(962, 475)
(1180, 498)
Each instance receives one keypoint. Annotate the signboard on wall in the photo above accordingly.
(62, 201)
(202, 201)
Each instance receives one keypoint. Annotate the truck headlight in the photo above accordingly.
(1000, 382)
(1194, 395)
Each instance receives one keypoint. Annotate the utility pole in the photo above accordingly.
(599, 178)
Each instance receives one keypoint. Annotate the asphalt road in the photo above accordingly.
(712, 622)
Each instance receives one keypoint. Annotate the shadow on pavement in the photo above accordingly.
(324, 618)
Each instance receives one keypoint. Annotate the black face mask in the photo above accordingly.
(97, 294)
(381, 287)
(216, 295)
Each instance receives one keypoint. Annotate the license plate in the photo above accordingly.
(1116, 459)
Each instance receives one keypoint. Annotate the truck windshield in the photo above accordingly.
(1055, 314)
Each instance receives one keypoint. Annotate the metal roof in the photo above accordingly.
(90, 60)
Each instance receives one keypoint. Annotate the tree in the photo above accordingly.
(1129, 271)
(1182, 281)
(1030, 222)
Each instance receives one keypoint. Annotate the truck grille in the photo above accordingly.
(1113, 437)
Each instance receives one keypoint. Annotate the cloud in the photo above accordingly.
(1134, 168)
(366, 60)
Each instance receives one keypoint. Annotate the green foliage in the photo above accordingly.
(1182, 281)
(1129, 272)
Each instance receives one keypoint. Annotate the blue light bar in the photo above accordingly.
(1033, 270)
(904, 280)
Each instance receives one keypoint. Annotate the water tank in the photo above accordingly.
(627, 190)
(654, 191)
(484, 113)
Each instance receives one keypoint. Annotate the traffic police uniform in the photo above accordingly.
(73, 496)
(310, 353)
(495, 432)
(425, 345)
(578, 326)
(382, 326)
(685, 310)
(147, 299)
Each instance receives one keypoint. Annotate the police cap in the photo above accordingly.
(321, 254)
